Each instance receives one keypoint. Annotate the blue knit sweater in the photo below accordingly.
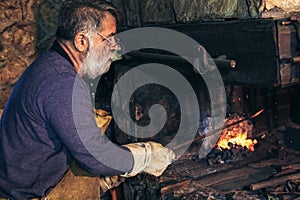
(48, 121)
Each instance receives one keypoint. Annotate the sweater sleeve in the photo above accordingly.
(68, 110)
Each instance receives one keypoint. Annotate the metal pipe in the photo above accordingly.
(296, 59)
(220, 63)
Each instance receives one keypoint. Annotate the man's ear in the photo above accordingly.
(81, 42)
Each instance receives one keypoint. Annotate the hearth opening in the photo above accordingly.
(254, 153)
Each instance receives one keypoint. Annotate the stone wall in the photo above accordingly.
(27, 27)
(146, 12)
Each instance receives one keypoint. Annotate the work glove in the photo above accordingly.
(161, 158)
(109, 182)
(150, 157)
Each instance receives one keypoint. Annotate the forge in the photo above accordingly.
(256, 155)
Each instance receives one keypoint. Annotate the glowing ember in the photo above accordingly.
(237, 135)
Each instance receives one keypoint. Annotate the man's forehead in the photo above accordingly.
(109, 25)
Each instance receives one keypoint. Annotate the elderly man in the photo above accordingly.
(39, 135)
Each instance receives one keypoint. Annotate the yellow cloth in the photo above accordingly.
(103, 119)
(73, 187)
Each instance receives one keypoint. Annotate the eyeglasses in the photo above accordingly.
(116, 55)
(116, 40)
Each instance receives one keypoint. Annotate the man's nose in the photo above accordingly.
(115, 47)
(115, 44)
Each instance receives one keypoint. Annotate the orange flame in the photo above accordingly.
(237, 136)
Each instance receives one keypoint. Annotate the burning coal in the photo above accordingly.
(234, 143)
(237, 135)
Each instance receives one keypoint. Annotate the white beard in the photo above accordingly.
(96, 63)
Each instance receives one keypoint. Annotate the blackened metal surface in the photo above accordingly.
(255, 44)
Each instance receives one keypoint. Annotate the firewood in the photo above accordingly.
(274, 181)
(285, 193)
(171, 188)
(284, 172)
(288, 169)
(294, 167)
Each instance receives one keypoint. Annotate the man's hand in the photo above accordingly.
(109, 182)
(161, 158)
(150, 157)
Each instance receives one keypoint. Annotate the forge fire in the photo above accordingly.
(237, 135)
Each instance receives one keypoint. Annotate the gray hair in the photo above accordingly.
(83, 15)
